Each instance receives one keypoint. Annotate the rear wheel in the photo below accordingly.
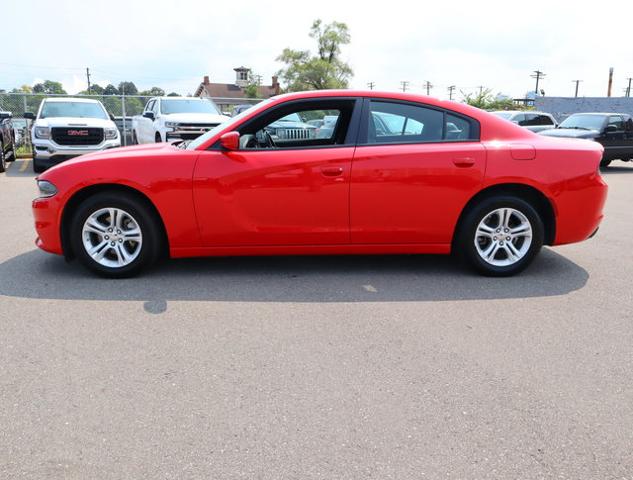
(500, 236)
(115, 235)
(3, 162)
(158, 139)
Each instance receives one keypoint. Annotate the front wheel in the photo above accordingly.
(500, 236)
(605, 163)
(3, 162)
(115, 235)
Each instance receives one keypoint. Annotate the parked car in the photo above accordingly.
(167, 119)
(493, 196)
(290, 129)
(67, 127)
(614, 131)
(7, 140)
(125, 130)
(534, 121)
(240, 108)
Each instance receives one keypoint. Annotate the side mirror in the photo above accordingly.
(149, 115)
(611, 129)
(111, 116)
(230, 141)
(29, 115)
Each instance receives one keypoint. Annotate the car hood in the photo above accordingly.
(74, 122)
(570, 133)
(194, 118)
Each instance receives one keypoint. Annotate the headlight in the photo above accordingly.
(173, 125)
(47, 189)
(111, 133)
(42, 132)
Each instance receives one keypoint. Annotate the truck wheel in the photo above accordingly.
(37, 167)
(158, 139)
(134, 139)
(3, 163)
(605, 163)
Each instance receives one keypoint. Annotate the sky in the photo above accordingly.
(173, 44)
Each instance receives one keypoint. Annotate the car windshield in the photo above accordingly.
(506, 115)
(73, 109)
(583, 122)
(188, 106)
(226, 125)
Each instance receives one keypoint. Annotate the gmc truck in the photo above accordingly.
(166, 119)
(68, 127)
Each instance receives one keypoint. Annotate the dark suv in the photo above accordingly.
(613, 130)
(7, 140)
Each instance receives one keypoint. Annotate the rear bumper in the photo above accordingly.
(579, 209)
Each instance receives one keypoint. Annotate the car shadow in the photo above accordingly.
(397, 278)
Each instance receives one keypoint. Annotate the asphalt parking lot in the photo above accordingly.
(333, 368)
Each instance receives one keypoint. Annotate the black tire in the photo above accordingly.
(37, 166)
(157, 138)
(3, 162)
(13, 155)
(605, 163)
(134, 139)
(464, 245)
(152, 237)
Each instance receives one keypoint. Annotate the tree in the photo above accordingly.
(110, 90)
(153, 92)
(487, 101)
(49, 87)
(128, 88)
(173, 94)
(305, 71)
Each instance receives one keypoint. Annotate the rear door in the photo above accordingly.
(414, 169)
(615, 137)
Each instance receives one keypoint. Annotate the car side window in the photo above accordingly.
(150, 106)
(519, 119)
(398, 122)
(457, 128)
(312, 124)
(617, 122)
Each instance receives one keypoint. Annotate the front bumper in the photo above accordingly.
(46, 216)
(48, 149)
(187, 133)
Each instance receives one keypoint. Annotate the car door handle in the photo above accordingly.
(464, 162)
(332, 171)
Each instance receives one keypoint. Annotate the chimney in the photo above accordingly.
(275, 85)
(206, 80)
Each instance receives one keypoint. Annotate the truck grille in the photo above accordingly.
(77, 135)
(294, 133)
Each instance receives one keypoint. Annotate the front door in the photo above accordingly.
(287, 184)
(412, 174)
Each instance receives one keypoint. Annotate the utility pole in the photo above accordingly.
(404, 84)
(428, 85)
(451, 89)
(576, 82)
(538, 75)
(610, 82)
(371, 85)
(628, 89)
(88, 78)
(481, 90)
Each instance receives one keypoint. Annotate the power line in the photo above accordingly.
(576, 82)
(371, 85)
(404, 84)
(451, 89)
(428, 86)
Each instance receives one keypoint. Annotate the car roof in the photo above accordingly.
(601, 114)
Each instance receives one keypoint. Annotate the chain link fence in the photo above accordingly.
(122, 107)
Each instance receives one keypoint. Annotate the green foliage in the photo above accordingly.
(487, 101)
(324, 70)
(49, 87)
(110, 90)
(173, 94)
(128, 88)
(152, 92)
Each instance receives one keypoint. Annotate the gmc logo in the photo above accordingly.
(78, 133)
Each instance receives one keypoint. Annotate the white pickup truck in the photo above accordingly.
(175, 118)
(67, 127)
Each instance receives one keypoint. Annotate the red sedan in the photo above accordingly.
(328, 172)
